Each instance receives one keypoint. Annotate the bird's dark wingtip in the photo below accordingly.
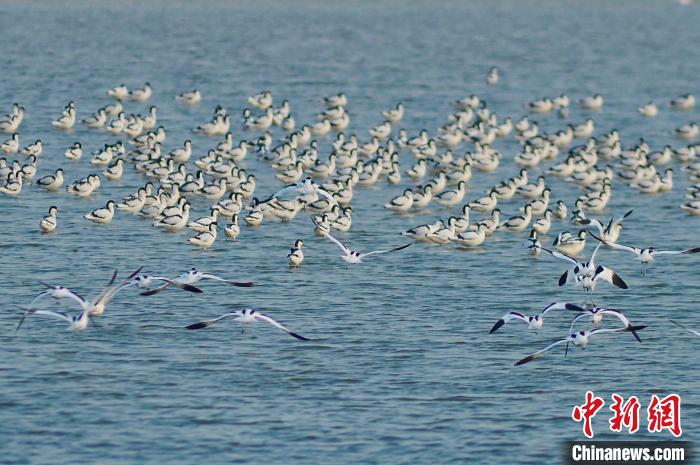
(523, 361)
(617, 280)
(200, 325)
(238, 284)
(297, 336)
(497, 325)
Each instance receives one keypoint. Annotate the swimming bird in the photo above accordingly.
(247, 316)
(492, 78)
(296, 255)
(401, 203)
(594, 102)
(49, 222)
(534, 322)
(191, 97)
(580, 339)
(470, 238)
(102, 215)
(420, 232)
(51, 182)
(13, 186)
(352, 257)
(141, 95)
(205, 239)
(74, 152)
(646, 255)
(684, 102)
(120, 92)
(520, 222)
(648, 109)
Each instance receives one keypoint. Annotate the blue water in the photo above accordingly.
(401, 369)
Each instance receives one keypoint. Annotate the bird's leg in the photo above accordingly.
(94, 323)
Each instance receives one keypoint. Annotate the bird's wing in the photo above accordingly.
(156, 290)
(538, 354)
(506, 318)
(375, 252)
(228, 281)
(561, 256)
(39, 296)
(626, 248)
(593, 222)
(578, 317)
(697, 333)
(560, 306)
(340, 244)
(204, 324)
(622, 218)
(324, 193)
(595, 251)
(262, 316)
(58, 315)
(610, 276)
(617, 330)
(677, 252)
(110, 292)
(186, 287)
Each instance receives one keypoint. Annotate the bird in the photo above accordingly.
(144, 281)
(247, 316)
(205, 239)
(610, 232)
(534, 322)
(492, 78)
(299, 189)
(519, 222)
(102, 215)
(470, 238)
(648, 109)
(352, 257)
(296, 255)
(191, 97)
(596, 315)
(580, 339)
(51, 182)
(646, 255)
(193, 276)
(77, 322)
(141, 95)
(119, 93)
(586, 269)
(401, 203)
(49, 222)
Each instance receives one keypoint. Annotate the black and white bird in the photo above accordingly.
(247, 316)
(646, 255)
(596, 315)
(579, 338)
(585, 273)
(534, 322)
(609, 232)
(193, 277)
(301, 189)
(77, 322)
(296, 256)
(352, 257)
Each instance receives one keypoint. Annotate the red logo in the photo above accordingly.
(662, 414)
